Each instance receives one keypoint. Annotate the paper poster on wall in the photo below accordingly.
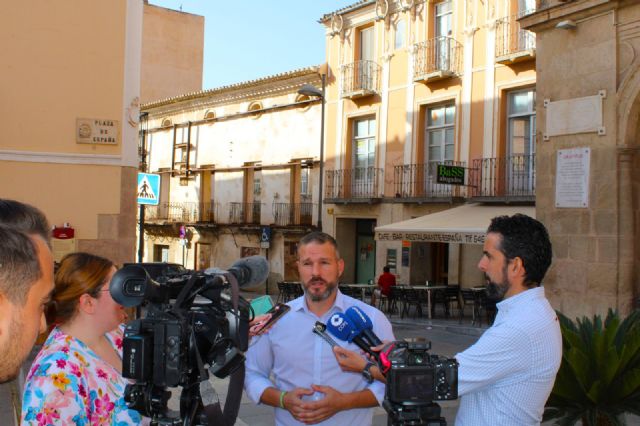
(405, 256)
(572, 178)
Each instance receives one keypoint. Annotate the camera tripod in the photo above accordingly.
(151, 400)
(409, 414)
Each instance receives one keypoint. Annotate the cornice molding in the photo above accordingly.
(60, 158)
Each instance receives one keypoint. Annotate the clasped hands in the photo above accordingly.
(311, 412)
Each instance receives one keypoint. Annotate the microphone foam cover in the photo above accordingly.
(358, 318)
(339, 326)
(258, 268)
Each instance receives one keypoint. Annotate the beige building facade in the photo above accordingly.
(589, 101)
(239, 173)
(413, 85)
(172, 53)
(69, 104)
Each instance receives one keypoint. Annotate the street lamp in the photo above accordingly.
(309, 90)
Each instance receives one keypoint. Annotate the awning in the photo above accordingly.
(466, 224)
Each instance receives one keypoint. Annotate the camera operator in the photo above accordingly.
(309, 386)
(506, 377)
(26, 281)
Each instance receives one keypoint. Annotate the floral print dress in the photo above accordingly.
(69, 384)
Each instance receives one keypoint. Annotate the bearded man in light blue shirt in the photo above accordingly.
(294, 370)
(507, 376)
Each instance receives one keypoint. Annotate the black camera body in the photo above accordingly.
(195, 324)
(419, 378)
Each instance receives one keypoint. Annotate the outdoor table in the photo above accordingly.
(428, 289)
(362, 287)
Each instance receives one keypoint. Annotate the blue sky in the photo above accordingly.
(256, 38)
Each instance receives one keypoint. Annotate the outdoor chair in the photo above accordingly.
(470, 298)
(411, 298)
(452, 296)
(397, 297)
(281, 292)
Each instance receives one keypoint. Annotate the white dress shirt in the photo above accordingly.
(297, 358)
(507, 376)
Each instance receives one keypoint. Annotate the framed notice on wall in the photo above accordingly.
(572, 178)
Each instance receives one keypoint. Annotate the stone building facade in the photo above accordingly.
(236, 162)
(588, 54)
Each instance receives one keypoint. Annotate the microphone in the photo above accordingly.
(249, 271)
(131, 285)
(363, 324)
(340, 327)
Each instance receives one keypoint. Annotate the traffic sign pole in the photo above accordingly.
(141, 235)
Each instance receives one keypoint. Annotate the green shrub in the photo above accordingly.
(599, 377)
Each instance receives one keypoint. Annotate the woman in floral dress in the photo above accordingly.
(76, 378)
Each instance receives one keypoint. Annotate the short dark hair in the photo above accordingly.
(528, 239)
(25, 218)
(319, 238)
(19, 264)
(386, 269)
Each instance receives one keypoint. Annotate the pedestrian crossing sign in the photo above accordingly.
(148, 189)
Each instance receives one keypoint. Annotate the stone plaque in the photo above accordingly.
(97, 131)
(572, 178)
(571, 116)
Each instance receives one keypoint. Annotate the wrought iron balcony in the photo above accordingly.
(292, 214)
(171, 212)
(504, 179)
(514, 44)
(244, 213)
(360, 184)
(207, 212)
(438, 58)
(418, 183)
(360, 78)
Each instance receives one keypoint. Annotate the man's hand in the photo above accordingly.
(317, 411)
(294, 404)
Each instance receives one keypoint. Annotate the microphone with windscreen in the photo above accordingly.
(341, 328)
(363, 325)
(131, 285)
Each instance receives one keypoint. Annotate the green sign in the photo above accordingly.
(452, 175)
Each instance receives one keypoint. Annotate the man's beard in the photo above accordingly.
(496, 291)
(314, 297)
(10, 357)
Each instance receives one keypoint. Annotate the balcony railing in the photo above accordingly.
(511, 178)
(244, 213)
(360, 78)
(291, 214)
(353, 184)
(172, 212)
(207, 212)
(438, 58)
(419, 182)
(512, 42)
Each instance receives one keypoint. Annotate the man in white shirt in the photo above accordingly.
(308, 385)
(506, 377)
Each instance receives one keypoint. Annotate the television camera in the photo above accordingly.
(195, 323)
(415, 380)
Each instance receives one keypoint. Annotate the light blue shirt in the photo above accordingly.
(507, 376)
(297, 358)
